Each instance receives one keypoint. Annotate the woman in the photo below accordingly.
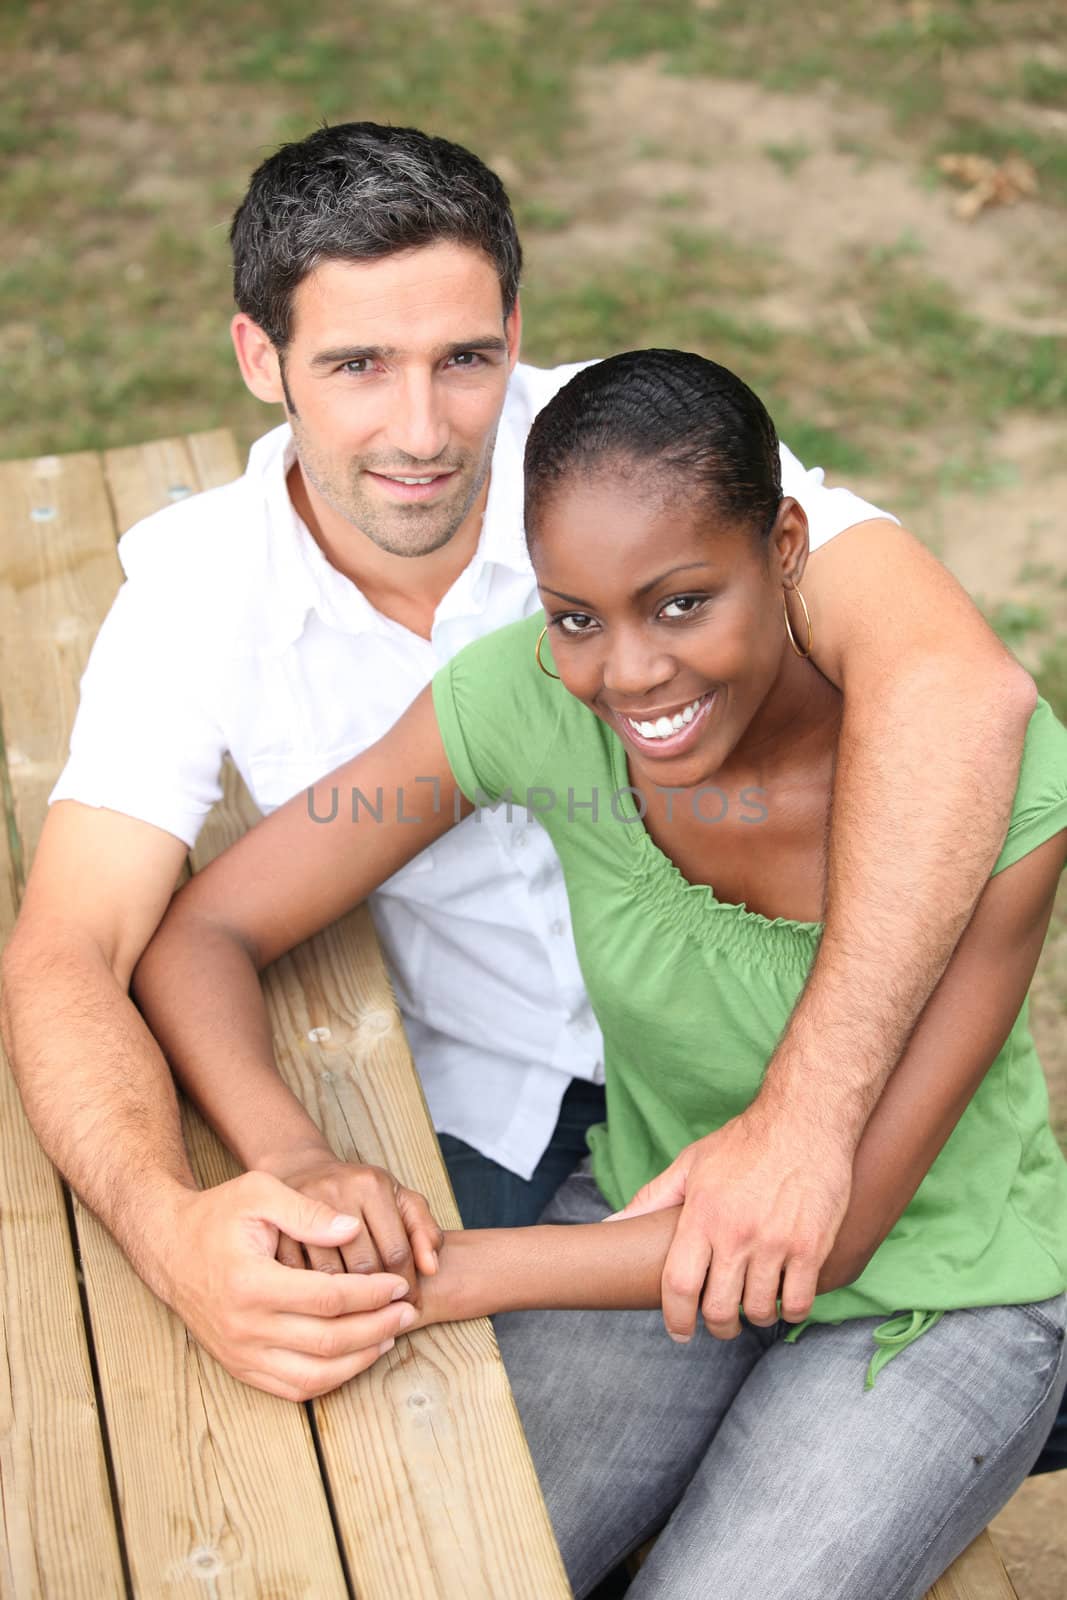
(664, 722)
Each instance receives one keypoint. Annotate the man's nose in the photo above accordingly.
(417, 425)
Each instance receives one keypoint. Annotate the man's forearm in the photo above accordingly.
(97, 1092)
(926, 775)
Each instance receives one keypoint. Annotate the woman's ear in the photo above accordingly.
(789, 540)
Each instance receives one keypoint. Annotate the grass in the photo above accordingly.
(129, 128)
(788, 156)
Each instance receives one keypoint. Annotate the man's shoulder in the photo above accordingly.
(531, 388)
(225, 524)
(210, 561)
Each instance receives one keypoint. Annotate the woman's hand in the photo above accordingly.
(397, 1231)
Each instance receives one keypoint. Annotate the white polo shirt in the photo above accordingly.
(233, 634)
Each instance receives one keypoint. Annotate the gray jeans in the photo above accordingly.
(779, 1473)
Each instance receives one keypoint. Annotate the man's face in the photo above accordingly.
(395, 378)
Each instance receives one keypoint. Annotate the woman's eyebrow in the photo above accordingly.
(645, 588)
(689, 566)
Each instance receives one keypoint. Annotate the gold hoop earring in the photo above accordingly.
(537, 655)
(804, 654)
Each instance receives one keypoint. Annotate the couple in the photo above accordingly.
(366, 544)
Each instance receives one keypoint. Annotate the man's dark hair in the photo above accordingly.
(357, 192)
(683, 417)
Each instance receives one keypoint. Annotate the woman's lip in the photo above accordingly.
(676, 743)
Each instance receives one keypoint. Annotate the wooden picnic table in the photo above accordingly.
(131, 1464)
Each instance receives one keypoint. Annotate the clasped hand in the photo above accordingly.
(761, 1207)
(298, 1334)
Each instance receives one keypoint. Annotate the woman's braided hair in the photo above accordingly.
(693, 424)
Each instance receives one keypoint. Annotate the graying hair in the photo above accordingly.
(357, 192)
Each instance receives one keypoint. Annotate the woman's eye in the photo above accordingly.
(575, 622)
(683, 605)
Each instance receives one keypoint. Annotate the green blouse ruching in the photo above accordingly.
(693, 993)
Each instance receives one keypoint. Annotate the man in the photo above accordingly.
(289, 619)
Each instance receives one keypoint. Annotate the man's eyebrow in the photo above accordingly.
(493, 343)
(644, 589)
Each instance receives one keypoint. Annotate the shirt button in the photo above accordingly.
(558, 928)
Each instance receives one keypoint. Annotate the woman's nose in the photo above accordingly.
(636, 667)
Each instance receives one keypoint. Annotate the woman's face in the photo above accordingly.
(665, 622)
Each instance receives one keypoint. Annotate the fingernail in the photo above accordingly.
(343, 1224)
(615, 1215)
(680, 1338)
(399, 1292)
(407, 1316)
(388, 1345)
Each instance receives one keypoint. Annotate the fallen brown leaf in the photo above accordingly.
(990, 183)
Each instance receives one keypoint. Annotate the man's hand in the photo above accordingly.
(295, 1334)
(397, 1232)
(762, 1201)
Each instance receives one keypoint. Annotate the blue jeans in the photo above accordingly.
(489, 1196)
(772, 1467)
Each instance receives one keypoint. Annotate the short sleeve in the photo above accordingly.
(1040, 809)
(144, 741)
(495, 718)
(829, 511)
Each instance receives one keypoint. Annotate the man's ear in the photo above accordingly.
(257, 359)
(513, 333)
(790, 539)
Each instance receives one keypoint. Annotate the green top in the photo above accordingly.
(693, 993)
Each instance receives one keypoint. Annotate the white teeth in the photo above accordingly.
(395, 479)
(665, 727)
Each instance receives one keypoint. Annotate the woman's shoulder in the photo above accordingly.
(1040, 807)
(498, 712)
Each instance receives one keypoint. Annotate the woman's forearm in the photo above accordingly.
(199, 991)
(616, 1266)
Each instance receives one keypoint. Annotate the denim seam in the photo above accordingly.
(970, 1488)
(1046, 1322)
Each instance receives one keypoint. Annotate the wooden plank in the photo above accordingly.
(435, 1493)
(977, 1574)
(57, 1530)
(218, 1484)
(58, 575)
(143, 478)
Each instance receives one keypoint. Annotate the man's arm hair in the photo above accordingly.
(935, 715)
(94, 1083)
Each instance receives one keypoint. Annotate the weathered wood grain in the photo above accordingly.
(57, 1531)
(218, 1484)
(978, 1574)
(431, 1477)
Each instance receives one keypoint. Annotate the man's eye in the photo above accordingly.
(360, 365)
(466, 358)
(575, 622)
(683, 605)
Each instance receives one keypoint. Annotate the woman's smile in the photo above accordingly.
(669, 732)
